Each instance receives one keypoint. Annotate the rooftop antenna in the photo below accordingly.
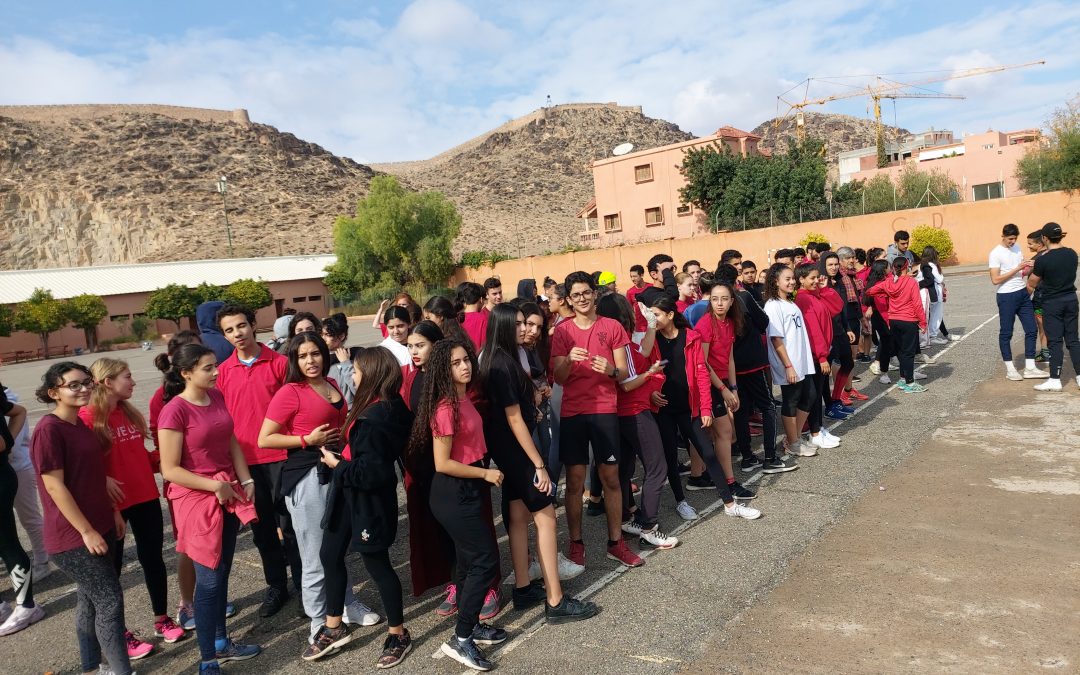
(622, 149)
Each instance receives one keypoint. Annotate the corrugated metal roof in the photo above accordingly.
(17, 285)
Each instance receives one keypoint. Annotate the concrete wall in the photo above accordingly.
(64, 113)
(975, 228)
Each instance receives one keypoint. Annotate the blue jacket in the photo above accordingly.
(210, 332)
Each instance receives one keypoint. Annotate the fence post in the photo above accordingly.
(864, 203)
(770, 216)
(744, 220)
(830, 210)
(800, 216)
(894, 196)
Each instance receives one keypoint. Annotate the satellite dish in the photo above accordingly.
(622, 149)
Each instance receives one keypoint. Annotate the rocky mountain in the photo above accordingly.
(519, 187)
(123, 187)
(840, 132)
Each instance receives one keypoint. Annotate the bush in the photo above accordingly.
(477, 259)
(815, 237)
(928, 235)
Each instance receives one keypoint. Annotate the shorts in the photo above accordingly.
(719, 408)
(578, 432)
(853, 317)
(518, 472)
(798, 396)
(1036, 301)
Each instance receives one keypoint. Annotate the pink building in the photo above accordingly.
(982, 165)
(637, 194)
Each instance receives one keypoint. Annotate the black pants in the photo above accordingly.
(275, 553)
(817, 411)
(755, 393)
(11, 551)
(146, 525)
(886, 347)
(906, 336)
(670, 424)
(458, 504)
(1060, 325)
(99, 608)
(840, 353)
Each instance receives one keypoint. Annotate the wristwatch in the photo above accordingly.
(733, 387)
(615, 373)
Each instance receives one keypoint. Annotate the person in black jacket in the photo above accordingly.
(662, 270)
(362, 509)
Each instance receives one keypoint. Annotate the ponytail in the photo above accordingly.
(185, 358)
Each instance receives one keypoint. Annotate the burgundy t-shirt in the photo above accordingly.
(75, 450)
(207, 430)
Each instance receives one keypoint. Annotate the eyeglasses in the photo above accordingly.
(583, 295)
(79, 385)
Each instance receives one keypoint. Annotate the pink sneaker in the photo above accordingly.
(137, 649)
(449, 605)
(576, 553)
(167, 629)
(491, 606)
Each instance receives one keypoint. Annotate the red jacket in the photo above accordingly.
(697, 375)
(200, 518)
(905, 304)
(818, 308)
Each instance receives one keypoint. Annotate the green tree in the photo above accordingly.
(206, 292)
(915, 188)
(396, 238)
(249, 293)
(140, 326)
(7, 320)
(172, 302)
(1055, 165)
(86, 311)
(340, 283)
(708, 171)
(878, 194)
(43, 314)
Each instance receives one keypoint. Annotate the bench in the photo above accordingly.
(53, 352)
(16, 356)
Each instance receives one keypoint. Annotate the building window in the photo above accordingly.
(988, 191)
(120, 317)
(300, 299)
(314, 298)
(654, 216)
(643, 173)
(683, 210)
(612, 223)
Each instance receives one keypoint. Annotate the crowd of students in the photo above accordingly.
(303, 439)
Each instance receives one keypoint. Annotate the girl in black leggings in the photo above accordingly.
(362, 508)
(12, 620)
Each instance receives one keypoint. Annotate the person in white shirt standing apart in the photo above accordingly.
(1007, 271)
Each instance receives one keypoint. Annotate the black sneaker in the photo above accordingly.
(273, 602)
(684, 469)
(778, 466)
(751, 463)
(702, 482)
(595, 508)
(530, 596)
(741, 492)
(484, 634)
(570, 609)
(466, 653)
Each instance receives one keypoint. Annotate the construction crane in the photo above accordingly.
(883, 87)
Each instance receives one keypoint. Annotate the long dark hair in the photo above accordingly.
(441, 307)
(929, 255)
(397, 312)
(184, 337)
(54, 377)
(438, 387)
(502, 338)
(772, 281)
(736, 314)
(293, 372)
(616, 306)
(468, 293)
(428, 329)
(381, 381)
(300, 316)
(666, 304)
(185, 358)
(878, 270)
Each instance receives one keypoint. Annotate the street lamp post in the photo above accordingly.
(223, 187)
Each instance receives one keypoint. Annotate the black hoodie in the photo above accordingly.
(527, 289)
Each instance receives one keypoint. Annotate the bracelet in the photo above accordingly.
(249, 481)
(540, 468)
(303, 442)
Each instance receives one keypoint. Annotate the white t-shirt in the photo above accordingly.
(786, 321)
(1004, 259)
(400, 351)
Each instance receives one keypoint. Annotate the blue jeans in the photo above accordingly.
(212, 592)
(1011, 306)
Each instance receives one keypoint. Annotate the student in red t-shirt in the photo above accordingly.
(818, 306)
(122, 430)
(80, 521)
(306, 414)
(449, 433)
(588, 359)
(470, 305)
(249, 378)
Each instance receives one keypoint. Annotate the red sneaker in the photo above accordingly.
(622, 553)
(756, 419)
(755, 432)
(576, 553)
(845, 398)
(858, 395)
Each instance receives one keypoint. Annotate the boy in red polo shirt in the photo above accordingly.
(249, 378)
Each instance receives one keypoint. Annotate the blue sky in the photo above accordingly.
(382, 81)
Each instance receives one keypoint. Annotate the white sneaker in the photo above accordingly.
(920, 376)
(737, 510)
(632, 527)
(20, 618)
(534, 572)
(658, 539)
(1013, 374)
(894, 362)
(1078, 380)
(885, 379)
(1050, 385)
(824, 442)
(568, 569)
(685, 511)
(875, 368)
(5, 611)
(938, 341)
(802, 449)
(1035, 374)
(41, 571)
(830, 435)
(925, 358)
(954, 338)
(357, 612)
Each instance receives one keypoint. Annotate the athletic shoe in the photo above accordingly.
(357, 613)
(168, 630)
(885, 379)
(830, 435)
(635, 489)
(919, 375)
(855, 377)
(40, 571)
(230, 610)
(756, 418)
(938, 341)
(570, 609)
(778, 466)
(595, 508)
(894, 362)
(1078, 380)
(575, 552)
(491, 607)
(449, 604)
(925, 358)
(534, 572)
(394, 649)
(5, 611)
(236, 651)
(136, 648)
(755, 432)
(737, 510)
(272, 602)
(802, 449)
(620, 552)
(857, 395)
(916, 388)
(1052, 384)
(568, 569)
(740, 491)
(1041, 357)
(632, 527)
(845, 400)
(824, 442)
(657, 539)
(530, 596)
(684, 469)
(211, 668)
(954, 338)
(1035, 374)
(185, 616)
(751, 463)
(846, 408)
(835, 412)
(903, 386)
(483, 634)
(22, 617)
(875, 368)
(685, 511)
(466, 653)
(863, 358)
(327, 641)
(1013, 374)
(702, 482)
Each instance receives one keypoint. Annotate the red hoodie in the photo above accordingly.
(818, 308)
(697, 375)
(903, 296)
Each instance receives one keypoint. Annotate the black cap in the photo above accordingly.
(1052, 231)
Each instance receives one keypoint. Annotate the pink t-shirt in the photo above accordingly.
(299, 409)
(468, 446)
(587, 392)
(720, 336)
(475, 325)
(207, 430)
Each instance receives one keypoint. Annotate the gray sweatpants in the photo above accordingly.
(306, 505)
(99, 608)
